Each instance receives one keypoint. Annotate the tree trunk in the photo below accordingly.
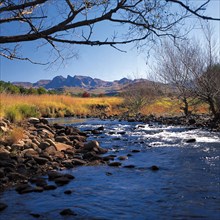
(186, 107)
(212, 107)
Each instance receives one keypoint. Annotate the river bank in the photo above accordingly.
(40, 148)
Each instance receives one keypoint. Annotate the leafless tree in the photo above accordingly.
(75, 22)
(206, 83)
(174, 66)
(194, 69)
(139, 94)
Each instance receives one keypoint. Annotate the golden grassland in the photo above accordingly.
(18, 107)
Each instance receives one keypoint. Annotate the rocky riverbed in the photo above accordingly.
(153, 171)
(43, 148)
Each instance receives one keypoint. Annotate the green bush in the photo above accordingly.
(20, 112)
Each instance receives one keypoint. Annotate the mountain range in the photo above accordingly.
(80, 83)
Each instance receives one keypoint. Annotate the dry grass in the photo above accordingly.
(172, 107)
(13, 135)
(18, 107)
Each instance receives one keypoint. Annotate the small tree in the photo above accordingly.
(85, 95)
(138, 95)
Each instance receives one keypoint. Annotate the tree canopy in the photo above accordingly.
(56, 22)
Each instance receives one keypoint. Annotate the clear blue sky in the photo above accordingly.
(98, 62)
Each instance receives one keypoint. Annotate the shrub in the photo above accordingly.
(15, 135)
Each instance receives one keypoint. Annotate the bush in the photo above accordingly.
(20, 112)
(12, 114)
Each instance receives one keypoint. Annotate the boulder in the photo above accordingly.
(51, 150)
(41, 160)
(43, 145)
(94, 145)
(123, 158)
(3, 206)
(114, 164)
(60, 181)
(68, 212)
(62, 146)
(33, 120)
(78, 162)
(191, 140)
(62, 139)
(30, 153)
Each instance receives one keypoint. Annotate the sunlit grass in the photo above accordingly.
(18, 107)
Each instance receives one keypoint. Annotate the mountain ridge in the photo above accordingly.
(79, 81)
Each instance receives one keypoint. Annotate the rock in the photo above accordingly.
(51, 142)
(30, 153)
(60, 181)
(67, 163)
(69, 176)
(4, 155)
(35, 215)
(129, 166)
(191, 140)
(17, 146)
(154, 168)
(62, 139)
(3, 206)
(121, 132)
(94, 145)
(38, 189)
(33, 120)
(40, 160)
(191, 121)
(16, 176)
(50, 187)
(95, 132)
(44, 121)
(43, 145)
(39, 181)
(3, 129)
(2, 173)
(51, 150)
(68, 212)
(114, 164)
(24, 188)
(62, 146)
(135, 151)
(68, 192)
(76, 161)
(78, 138)
(123, 158)
(53, 175)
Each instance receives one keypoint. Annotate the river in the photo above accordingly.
(186, 186)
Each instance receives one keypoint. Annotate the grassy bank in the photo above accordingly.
(18, 107)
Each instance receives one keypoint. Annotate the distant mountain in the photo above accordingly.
(41, 83)
(23, 84)
(79, 83)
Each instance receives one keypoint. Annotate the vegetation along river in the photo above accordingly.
(186, 185)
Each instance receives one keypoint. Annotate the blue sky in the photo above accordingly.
(102, 62)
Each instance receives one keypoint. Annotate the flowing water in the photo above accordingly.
(186, 186)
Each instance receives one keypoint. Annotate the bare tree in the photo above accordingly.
(194, 69)
(139, 94)
(58, 22)
(174, 66)
(206, 83)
